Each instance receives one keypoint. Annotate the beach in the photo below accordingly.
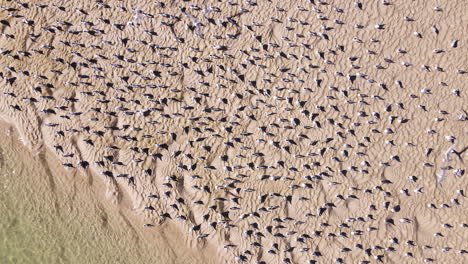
(234, 131)
(50, 215)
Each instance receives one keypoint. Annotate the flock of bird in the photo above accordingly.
(276, 131)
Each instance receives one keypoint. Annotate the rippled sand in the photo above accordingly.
(263, 131)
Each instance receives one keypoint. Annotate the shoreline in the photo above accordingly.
(167, 236)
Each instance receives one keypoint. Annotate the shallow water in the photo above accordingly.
(48, 215)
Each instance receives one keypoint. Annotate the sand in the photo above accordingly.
(50, 215)
(260, 131)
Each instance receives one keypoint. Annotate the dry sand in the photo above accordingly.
(264, 131)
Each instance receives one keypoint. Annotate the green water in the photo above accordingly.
(48, 216)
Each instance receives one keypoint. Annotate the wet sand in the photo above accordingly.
(263, 131)
(49, 215)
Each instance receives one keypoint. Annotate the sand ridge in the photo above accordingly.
(273, 131)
